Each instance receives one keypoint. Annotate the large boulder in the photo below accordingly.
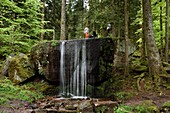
(99, 54)
(78, 66)
(18, 68)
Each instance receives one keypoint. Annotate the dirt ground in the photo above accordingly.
(157, 99)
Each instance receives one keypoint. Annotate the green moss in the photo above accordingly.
(137, 54)
(139, 78)
(123, 109)
(139, 65)
(101, 109)
(146, 106)
(141, 68)
(54, 43)
(3, 100)
(20, 69)
(166, 85)
(166, 104)
(42, 86)
(123, 95)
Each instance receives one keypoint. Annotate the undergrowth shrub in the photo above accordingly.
(8, 91)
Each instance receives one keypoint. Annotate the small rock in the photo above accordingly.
(70, 107)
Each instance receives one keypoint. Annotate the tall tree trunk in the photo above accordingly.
(63, 20)
(42, 24)
(167, 31)
(113, 25)
(143, 55)
(119, 21)
(161, 37)
(126, 38)
(116, 56)
(154, 61)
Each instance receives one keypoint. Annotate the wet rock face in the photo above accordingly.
(99, 57)
(44, 57)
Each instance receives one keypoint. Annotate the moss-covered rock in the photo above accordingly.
(44, 57)
(20, 69)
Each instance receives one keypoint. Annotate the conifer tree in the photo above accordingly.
(20, 25)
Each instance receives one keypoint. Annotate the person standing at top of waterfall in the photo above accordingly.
(94, 35)
(87, 35)
(86, 32)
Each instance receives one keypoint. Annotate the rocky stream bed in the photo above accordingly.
(54, 104)
(60, 105)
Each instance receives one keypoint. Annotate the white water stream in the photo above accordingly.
(62, 68)
(76, 85)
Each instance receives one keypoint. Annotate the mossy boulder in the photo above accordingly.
(20, 69)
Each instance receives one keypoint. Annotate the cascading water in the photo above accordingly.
(80, 72)
(76, 85)
(76, 71)
(83, 71)
(62, 68)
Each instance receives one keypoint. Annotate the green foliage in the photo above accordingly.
(20, 25)
(166, 104)
(8, 91)
(156, 22)
(54, 43)
(52, 15)
(146, 106)
(123, 109)
(101, 109)
(141, 108)
(122, 95)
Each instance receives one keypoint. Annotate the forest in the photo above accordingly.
(138, 80)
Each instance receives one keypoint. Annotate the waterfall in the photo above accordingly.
(62, 68)
(76, 85)
(80, 73)
(76, 70)
(83, 71)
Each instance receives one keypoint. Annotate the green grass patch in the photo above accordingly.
(8, 91)
(142, 108)
(122, 95)
(123, 109)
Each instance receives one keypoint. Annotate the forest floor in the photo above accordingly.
(47, 103)
(156, 99)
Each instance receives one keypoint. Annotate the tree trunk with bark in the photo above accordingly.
(161, 37)
(113, 25)
(143, 53)
(126, 38)
(63, 21)
(154, 61)
(167, 31)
